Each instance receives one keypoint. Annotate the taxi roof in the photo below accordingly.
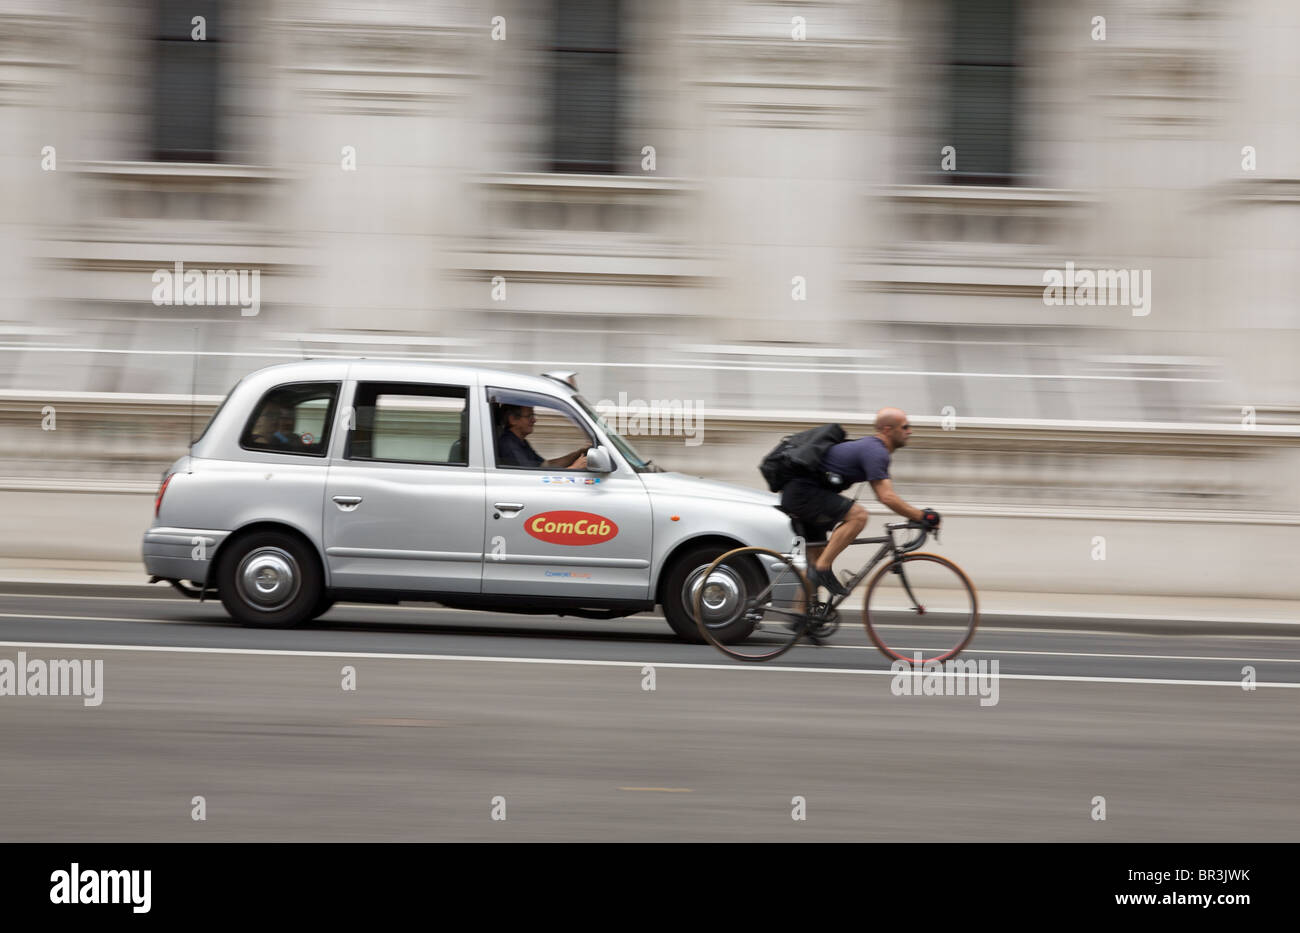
(405, 371)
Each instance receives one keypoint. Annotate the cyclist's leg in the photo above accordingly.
(855, 519)
(813, 550)
(794, 502)
(817, 509)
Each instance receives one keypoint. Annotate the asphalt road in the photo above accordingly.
(456, 715)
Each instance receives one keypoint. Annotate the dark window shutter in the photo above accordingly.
(186, 88)
(584, 93)
(982, 79)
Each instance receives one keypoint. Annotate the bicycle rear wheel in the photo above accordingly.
(920, 608)
(761, 586)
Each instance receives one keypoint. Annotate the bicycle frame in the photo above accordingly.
(887, 546)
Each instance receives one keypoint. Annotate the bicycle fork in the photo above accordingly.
(898, 569)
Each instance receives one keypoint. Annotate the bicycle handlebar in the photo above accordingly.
(914, 543)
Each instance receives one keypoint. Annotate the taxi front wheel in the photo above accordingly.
(269, 580)
(727, 591)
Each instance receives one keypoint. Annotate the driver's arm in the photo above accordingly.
(884, 490)
(574, 460)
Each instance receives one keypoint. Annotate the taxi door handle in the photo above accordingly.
(509, 506)
(347, 503)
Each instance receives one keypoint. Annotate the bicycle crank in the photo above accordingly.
(823, 621)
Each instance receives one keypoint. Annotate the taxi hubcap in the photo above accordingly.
(722, 594)
(268, 579)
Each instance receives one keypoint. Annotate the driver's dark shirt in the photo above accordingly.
(512, 450)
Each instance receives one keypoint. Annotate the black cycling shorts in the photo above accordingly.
(815, 508)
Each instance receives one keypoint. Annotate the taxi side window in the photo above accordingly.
(293, 419)
(529, 430)
(404, 422)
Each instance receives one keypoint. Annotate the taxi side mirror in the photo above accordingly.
(599, 460)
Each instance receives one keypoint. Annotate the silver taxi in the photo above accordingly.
(380, 481)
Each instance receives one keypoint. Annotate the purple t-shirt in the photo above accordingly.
(855, 461)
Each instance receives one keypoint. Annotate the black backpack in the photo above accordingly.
(799, 455)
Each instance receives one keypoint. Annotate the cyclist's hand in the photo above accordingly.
(930, 519)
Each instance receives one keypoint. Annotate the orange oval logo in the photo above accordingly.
(571, 528)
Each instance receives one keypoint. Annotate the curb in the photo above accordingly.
(1138, 624)
(141, 590)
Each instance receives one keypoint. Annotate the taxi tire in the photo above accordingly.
(299, 609)
(680, 616)
(323, 605)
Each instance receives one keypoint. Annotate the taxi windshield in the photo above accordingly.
(638, 462)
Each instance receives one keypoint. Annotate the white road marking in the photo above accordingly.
(1064, 654)
(583, 662)
(967, 651)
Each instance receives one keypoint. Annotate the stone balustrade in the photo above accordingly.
(108, 440)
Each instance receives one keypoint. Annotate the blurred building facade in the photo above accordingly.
(774, 161)
(748, 204)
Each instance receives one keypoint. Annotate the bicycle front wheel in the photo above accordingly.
(763, 588)
(920, 608)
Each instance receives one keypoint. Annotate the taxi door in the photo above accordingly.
(555, 532)
(404, 497)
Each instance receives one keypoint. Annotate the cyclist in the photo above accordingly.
(820, 508)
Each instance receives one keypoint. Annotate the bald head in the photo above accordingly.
(892, 427)
(890, 418)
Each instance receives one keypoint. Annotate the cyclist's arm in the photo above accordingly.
(884, 490)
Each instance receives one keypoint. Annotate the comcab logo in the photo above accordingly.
(575, 528)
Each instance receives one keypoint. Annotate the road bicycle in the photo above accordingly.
(919, 607)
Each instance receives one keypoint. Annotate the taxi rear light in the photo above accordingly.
(157, 502)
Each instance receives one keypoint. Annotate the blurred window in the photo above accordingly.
(293, 419)
(411, 423)
(982, 77)
(584, 91)
(186, 87)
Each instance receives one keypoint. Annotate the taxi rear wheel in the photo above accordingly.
(683, 581)
(269, 580)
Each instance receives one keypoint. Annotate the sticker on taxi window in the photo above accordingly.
(308, 439)
(571, 480)
(571, 528)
